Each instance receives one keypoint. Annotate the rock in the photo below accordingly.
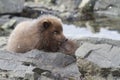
(108, 7)
(34, 11)
(3, 42)
(87, 9)
(68, 11)
(63, 6)
(9, 24)
(92, 26)
(11, 20)
(95, 40)
(14, 6)
(20, 19)
(7, 27)
(68, 5)
(4, 19)
(99, 60)
(37, 65)
(70, 14)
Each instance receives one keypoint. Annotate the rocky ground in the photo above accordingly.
(95, 59)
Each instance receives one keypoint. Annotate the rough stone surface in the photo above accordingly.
(98, 60)
(69, 5)
(67, 11)
(108, 7)
(95, 40)
(8, 23)
(20, 19)
(103, 55)
(11, 6)
(4, 19)
(3, 42)
(37, 65)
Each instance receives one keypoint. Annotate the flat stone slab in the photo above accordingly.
(12, 6)
(3, 42)
(37, 65)
(98, 59)
(104, 55)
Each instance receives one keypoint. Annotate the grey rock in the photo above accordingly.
(8, 24)
(68, 11)
(3, 42)
(98, 60)
(59, 63)
(63, 6)
(4, 19)
(6, 27)
(37, 65)
(20, 19)
(8, 18)
(103, 55)
(96, 40)
(108, 7)
(68, 5)
(8, 6)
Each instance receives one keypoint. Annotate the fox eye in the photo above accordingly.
(55, 32)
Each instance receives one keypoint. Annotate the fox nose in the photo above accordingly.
(66, 39)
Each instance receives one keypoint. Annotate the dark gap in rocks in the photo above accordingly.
(105, 72)
(28, 64)
(116, 73)
(40, 71)
(20, 78)
(11, 14)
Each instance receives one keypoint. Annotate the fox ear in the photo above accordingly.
(46, 24)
